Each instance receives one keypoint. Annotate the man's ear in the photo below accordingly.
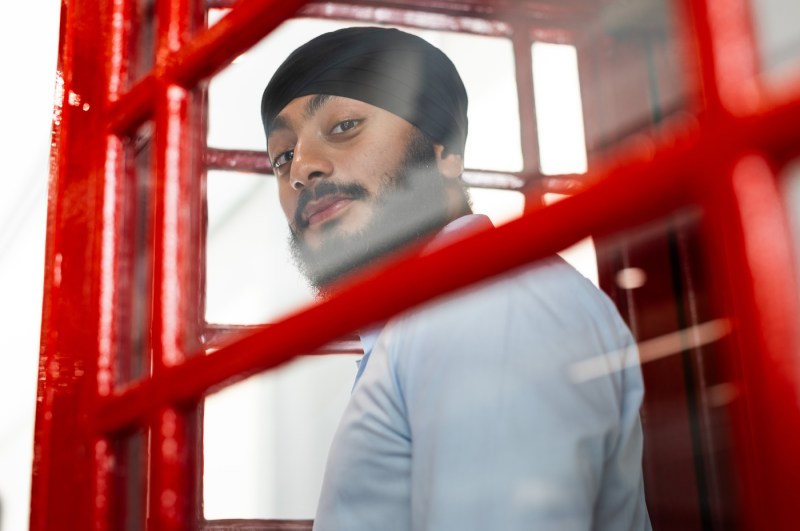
(450, 164)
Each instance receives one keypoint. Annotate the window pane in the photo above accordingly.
(559, 114)
(266, 439)
(791, 196)
(778, 36)
(250, 275)
(658, 277)
(632, 69)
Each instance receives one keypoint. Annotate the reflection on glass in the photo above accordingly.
(791, 197)
(658, 277)
(632, 69)
(133, 362)
(143, 37)
(778, 36)
(130, 480)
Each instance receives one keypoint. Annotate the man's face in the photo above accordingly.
(354, 180)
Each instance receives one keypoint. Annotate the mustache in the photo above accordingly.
(325, 188)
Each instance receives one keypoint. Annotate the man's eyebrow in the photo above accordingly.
(278, 123)
(315, 104)
(312, 107)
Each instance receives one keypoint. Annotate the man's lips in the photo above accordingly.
(325, 208)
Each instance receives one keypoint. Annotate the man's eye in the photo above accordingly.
(282, 159)
(344, 126)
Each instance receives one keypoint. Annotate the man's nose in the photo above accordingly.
(310, 161)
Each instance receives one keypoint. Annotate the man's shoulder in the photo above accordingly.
(529, 325)
(551, 282)
(548, 297)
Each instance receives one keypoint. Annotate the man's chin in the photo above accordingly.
(341, 253)
(315, 238)
(323, 262)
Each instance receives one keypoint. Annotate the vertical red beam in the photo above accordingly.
(760, 293)
(110, 294)
(174, 326)
(723, 58)
(735, 57)
(66, 481)
(759, 289)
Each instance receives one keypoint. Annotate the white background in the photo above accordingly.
(28, 50)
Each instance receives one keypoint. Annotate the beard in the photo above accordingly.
(409, 205)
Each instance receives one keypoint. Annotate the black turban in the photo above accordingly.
(387, 68)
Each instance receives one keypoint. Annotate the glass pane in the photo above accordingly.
(791, 196)
(778, 36)
(632, 75)
(130, 481)
(659, 278)
(250, 274)
(559, 113)
(266, 439)
(143, 51)
(133, 359)
(501, 206)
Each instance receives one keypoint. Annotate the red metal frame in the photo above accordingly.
(724, 159)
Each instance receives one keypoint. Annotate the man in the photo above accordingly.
(466, 413)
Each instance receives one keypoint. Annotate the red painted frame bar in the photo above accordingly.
(177, 324)
(760, 295)
(67, 451)
(745, 213)
(171, 202)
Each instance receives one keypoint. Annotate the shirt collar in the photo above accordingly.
(456, 230)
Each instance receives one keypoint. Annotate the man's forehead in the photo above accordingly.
(387, 68)
(308, 106)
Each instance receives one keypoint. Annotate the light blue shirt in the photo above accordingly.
(477, 412)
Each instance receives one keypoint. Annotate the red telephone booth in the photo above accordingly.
(688, 140)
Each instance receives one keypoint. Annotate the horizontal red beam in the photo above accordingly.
(238, 160)
(489, 17)
(644, 185)
(218, 336)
